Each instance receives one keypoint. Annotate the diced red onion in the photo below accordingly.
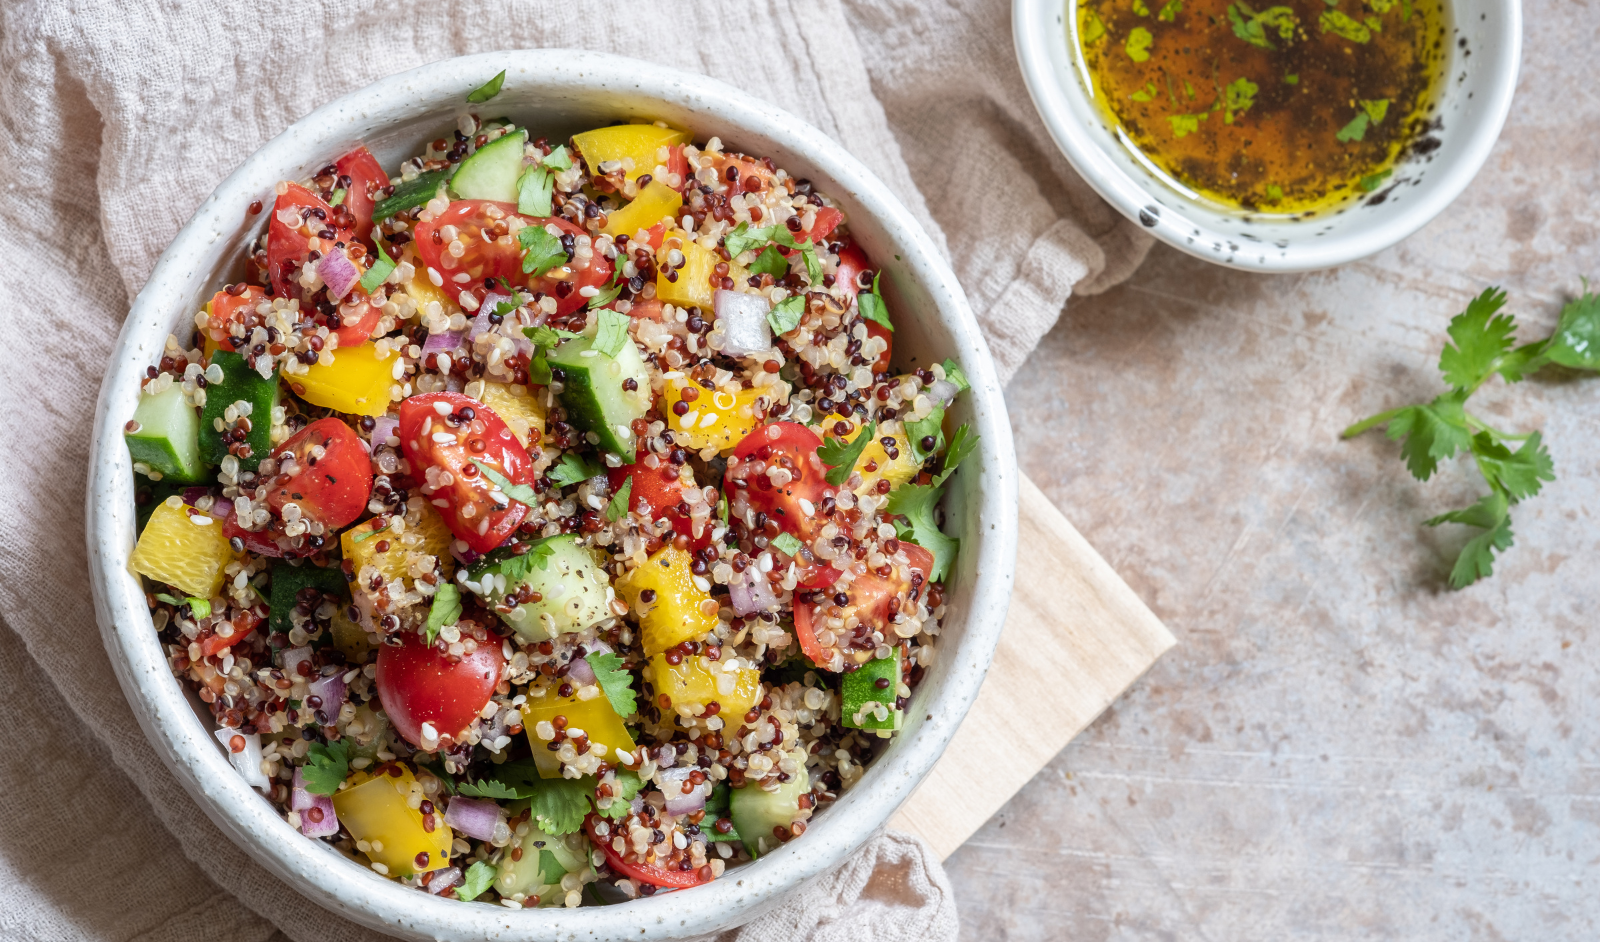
(742, 320)
(302, 801)
(672, 789)
(338, 273)
(331, 690)
(480, 325)
(247, 761)
(943, 391)
(292, 658)
(474, 817)
(751, 593)
(444, 879)
(383, 428)
(445, 342)
(221, 507)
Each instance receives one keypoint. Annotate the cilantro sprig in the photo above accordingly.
(743, 238)
(521, 493)
(916, 503)
(326, 767)
(573, 468)
(446, 610)
(536, 186)
(616, 681)
(871, 305)
(488, 89)
(480, 876)
(841, 456)
(543, 251)
(1482, 345)
(618, 507)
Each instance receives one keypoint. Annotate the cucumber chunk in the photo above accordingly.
(859, 695)
(593, 394)
(574, 591)
(239, 383)
(756, 812)
(168, 437)
(491, 173)
(287, 582)
(545, 860)
(411, 194)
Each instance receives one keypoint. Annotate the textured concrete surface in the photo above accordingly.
(1340, 747)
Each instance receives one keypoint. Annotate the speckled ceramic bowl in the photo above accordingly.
(1483, 51)
(562, 92)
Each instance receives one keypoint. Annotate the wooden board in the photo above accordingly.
(1075, 638)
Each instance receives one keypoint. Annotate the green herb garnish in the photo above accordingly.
(326, 767)
(618, 508)
(871, 305)
(573, 468)
(379, 272)
(488, 89)
(841, 456)
(543, 250)
(480, 876)
(616, 681)
(785, 315)
(786, 543)
(521, 493)
(446, 609)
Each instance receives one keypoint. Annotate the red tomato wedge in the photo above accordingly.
(789, 445)
(852, 263)
(869, 597)
(660, 490)
(244, 622)
(420, 684)
(288, 246)
(448, 432)
(827, 219)
(679, 164)
(227, 309)
(481, 226)
(333, 488)
(362, 193)
(644, 873)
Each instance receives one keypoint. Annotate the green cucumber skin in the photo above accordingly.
(411, 194)
(573, 570)
(288, 580)
(860, 687)
(492, 172)
(755, 812)
(596, 402)
(168, 439)
(238, 382)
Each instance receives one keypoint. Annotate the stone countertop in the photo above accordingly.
(1340, 746)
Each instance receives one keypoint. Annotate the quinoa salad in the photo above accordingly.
(542, 520)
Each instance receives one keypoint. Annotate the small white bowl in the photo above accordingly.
(1484, 47)
(565, 92)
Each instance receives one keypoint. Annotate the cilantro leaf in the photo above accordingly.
(544, 250)
(954, 373)
(786, 543)
(722, 508)
(1138, 45)
(1356, 130)
(1517, 473)
(929, 426)
(1432, 432)
(1490, 514)
(743, 238)
(618, 508)
(605, 296)
(1576, 341)
(521, 493)
(547, 336)
(1481, 337)
(169, 599)
(785, 315)
(338, 196)
(379, 272)
(717, 807)
(627, 785)
(326, 767)
(479, 878)
(771, 262)
(611, 334)
(446, 609)
(1340, 24)
(615, 681)
(198, 607)
(963, 443)
(488, 89)
(871, 306)
(535, 189)
(550, 869)
(1238, 97)
(573, 468)
(489, 788)
(916, 502)
(559, 804)
(841, 456)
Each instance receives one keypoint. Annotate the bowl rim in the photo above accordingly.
(320, 873)
(1184, 223)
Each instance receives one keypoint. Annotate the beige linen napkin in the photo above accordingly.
(120, 117)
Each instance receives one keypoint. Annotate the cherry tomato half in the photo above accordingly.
(366, 180)
(852, 263)
(660, 490)
(826, 220)
(492, 252)
(869, 597)
(332, 489)
(227, 309)
(644, 873)
(449, 432)
(420, 684)
(289, 246)
(789, 445)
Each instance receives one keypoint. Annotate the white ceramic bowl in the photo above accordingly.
(563, 92)
(1484, 47)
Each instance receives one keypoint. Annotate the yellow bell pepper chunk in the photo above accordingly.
(185, 548)
(420, 288)
(377, 809)
(680, 610)
(356, 382)
(875, 465)
(655, 202)
(690, 285)
(522, 410)
(722, 417)
(428, 534)
(596, 718)
(693, 683)
(639, 143)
